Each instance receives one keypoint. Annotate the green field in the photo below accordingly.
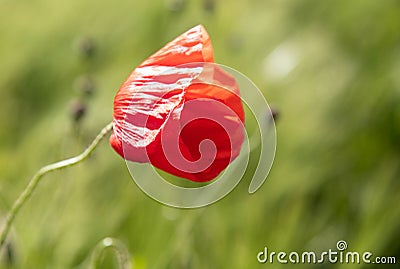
(332, 68)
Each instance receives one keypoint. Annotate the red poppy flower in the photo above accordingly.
(179, 111)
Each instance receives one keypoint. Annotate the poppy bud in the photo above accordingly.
(179, 111)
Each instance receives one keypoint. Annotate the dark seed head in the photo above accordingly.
(77, 110)
(209, 5)
(275, 113)
(85, 46)
(175, 5)
(85, 85)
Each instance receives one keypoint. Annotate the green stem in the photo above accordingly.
(27, 193)
(121, 253)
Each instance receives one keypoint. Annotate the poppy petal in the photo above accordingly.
(158, 107)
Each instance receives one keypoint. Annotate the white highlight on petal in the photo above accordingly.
(149, 100)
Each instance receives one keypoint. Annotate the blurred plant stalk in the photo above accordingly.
(120, 251)
(27, 192)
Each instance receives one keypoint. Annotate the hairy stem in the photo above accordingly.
(27, 193)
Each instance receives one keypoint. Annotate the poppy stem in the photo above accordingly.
(27, 193)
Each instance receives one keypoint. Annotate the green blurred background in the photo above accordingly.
(331, 67)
